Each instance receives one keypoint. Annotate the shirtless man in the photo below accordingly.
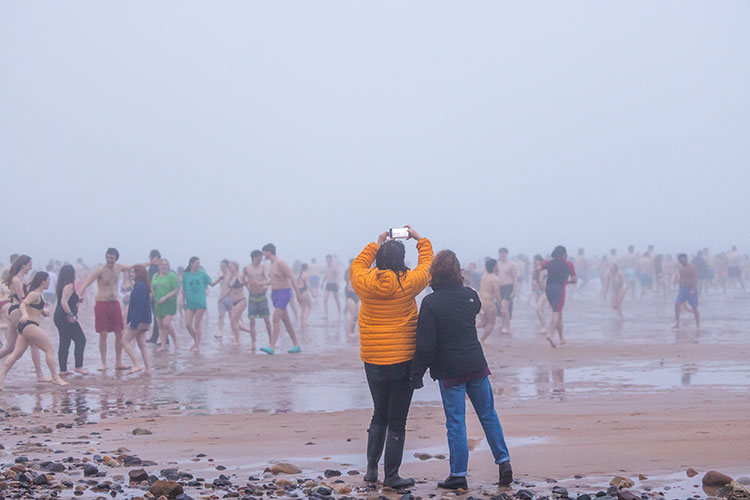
(604, 268)
(225, 304)
(282, 283)
(687, 277)
(331, 279)
(734, 272)
(508, 275)
(253, 275)
(646, 273)
(489, 294)
(629, 264)
(107, 312)
(582, 266)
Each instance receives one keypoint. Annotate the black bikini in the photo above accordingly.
(23, 324)
(237, 285)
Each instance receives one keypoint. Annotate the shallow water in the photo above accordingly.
(213, 380)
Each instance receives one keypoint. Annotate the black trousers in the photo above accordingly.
(391, 394)
(70, 332)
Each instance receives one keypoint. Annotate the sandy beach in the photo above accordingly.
(624, 398)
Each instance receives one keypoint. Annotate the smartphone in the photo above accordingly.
(398, 233)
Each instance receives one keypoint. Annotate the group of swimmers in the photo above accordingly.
(153, 295)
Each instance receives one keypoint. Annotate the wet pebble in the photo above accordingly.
(524, 494)
(716, 478)
(627, 495)
(138, 475)
(331, 473)
(560, 491)
(140, 431)
(90, 470)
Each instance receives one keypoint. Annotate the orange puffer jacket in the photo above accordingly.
(388, 316)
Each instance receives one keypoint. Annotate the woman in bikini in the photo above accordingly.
(15, 283)
(235, 292)
(29, 334)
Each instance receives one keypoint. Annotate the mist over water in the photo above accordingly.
(211, 131)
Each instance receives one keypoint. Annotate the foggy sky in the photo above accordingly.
(211, 128)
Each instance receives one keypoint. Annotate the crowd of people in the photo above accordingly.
(399, 339)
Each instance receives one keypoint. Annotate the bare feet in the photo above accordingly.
(235, 343)
(675, 327)
(194, 348)
(147, 372)
(59, 381)
(543, 331)
(82, 371)
(136, 369)
(161, 349)
(551, 342)
(42, 378)
(122, 367)
(176, 346)
(562, 341)
(64, 373)
(102, 368)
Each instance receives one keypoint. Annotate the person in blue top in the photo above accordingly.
(194, 283)
(139, 318)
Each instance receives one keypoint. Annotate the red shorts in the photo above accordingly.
(108, 317)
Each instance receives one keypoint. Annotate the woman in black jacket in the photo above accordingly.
(447, 344)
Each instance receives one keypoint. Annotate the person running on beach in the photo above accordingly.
(194, 284)
(107, 311)
(508, 275)
(305, 304)
(560, 273)
(237, 301)
(734, 272)
(687, 278)
(331, 279)
(165, 286)
(14, 280)
(282, 283)
(254, 275)
(538, 286)
(66, 321)
(489, 292)
(387, 333)
(139, 319)
(617, 283)
(29, 333)
(224, 302)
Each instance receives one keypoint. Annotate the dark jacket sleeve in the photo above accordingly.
(138, 303)
(426, 344)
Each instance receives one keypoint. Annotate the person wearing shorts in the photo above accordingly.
(282, 282)
(687, 278)
(560, 273)
(107, 311)
(331, 277)
(257, 306)
(194, 284)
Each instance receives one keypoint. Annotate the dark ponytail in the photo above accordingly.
(36, 281)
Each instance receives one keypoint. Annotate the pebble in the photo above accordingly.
(138, 475)
(140, 431)
(627, 495)
(715, 478)
(285, 468)
(332, 473)
(559, 490)
(90, 470)
(525, 494)
(621, 482)
(170, 489)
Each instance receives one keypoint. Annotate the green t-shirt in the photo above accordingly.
(161, 286)
(194, 285)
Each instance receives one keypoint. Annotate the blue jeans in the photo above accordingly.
(454, 404)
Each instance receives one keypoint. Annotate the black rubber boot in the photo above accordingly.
(394, 451)
(375, 443)
(454, 483)
(506, 473)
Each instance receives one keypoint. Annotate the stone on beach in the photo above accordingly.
(715, 478)
(627, 495)
(285, 468)
(734, 491)
(138, 475)
(691, 472)
(621, 482)
(169, 489)
(140, 431)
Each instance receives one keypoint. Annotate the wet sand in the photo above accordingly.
(623, 397)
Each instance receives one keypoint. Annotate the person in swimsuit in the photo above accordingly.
(14, 281)
(489, 293)
(331, 280)
(107, 311)
(254, 275)
(165, 286)
(539, 285)
(687, 278)
(139, 319)
(617, 283)
(66, 321)
(224, 302)
(560, 273)
(305, 303)
(508, 275)
(32, 309)
(194, 284)
(282, 282)
(235, 294)
(352, 300)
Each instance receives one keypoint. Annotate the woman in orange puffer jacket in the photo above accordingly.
(387, 332)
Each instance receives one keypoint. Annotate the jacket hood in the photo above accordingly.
(383, 283)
